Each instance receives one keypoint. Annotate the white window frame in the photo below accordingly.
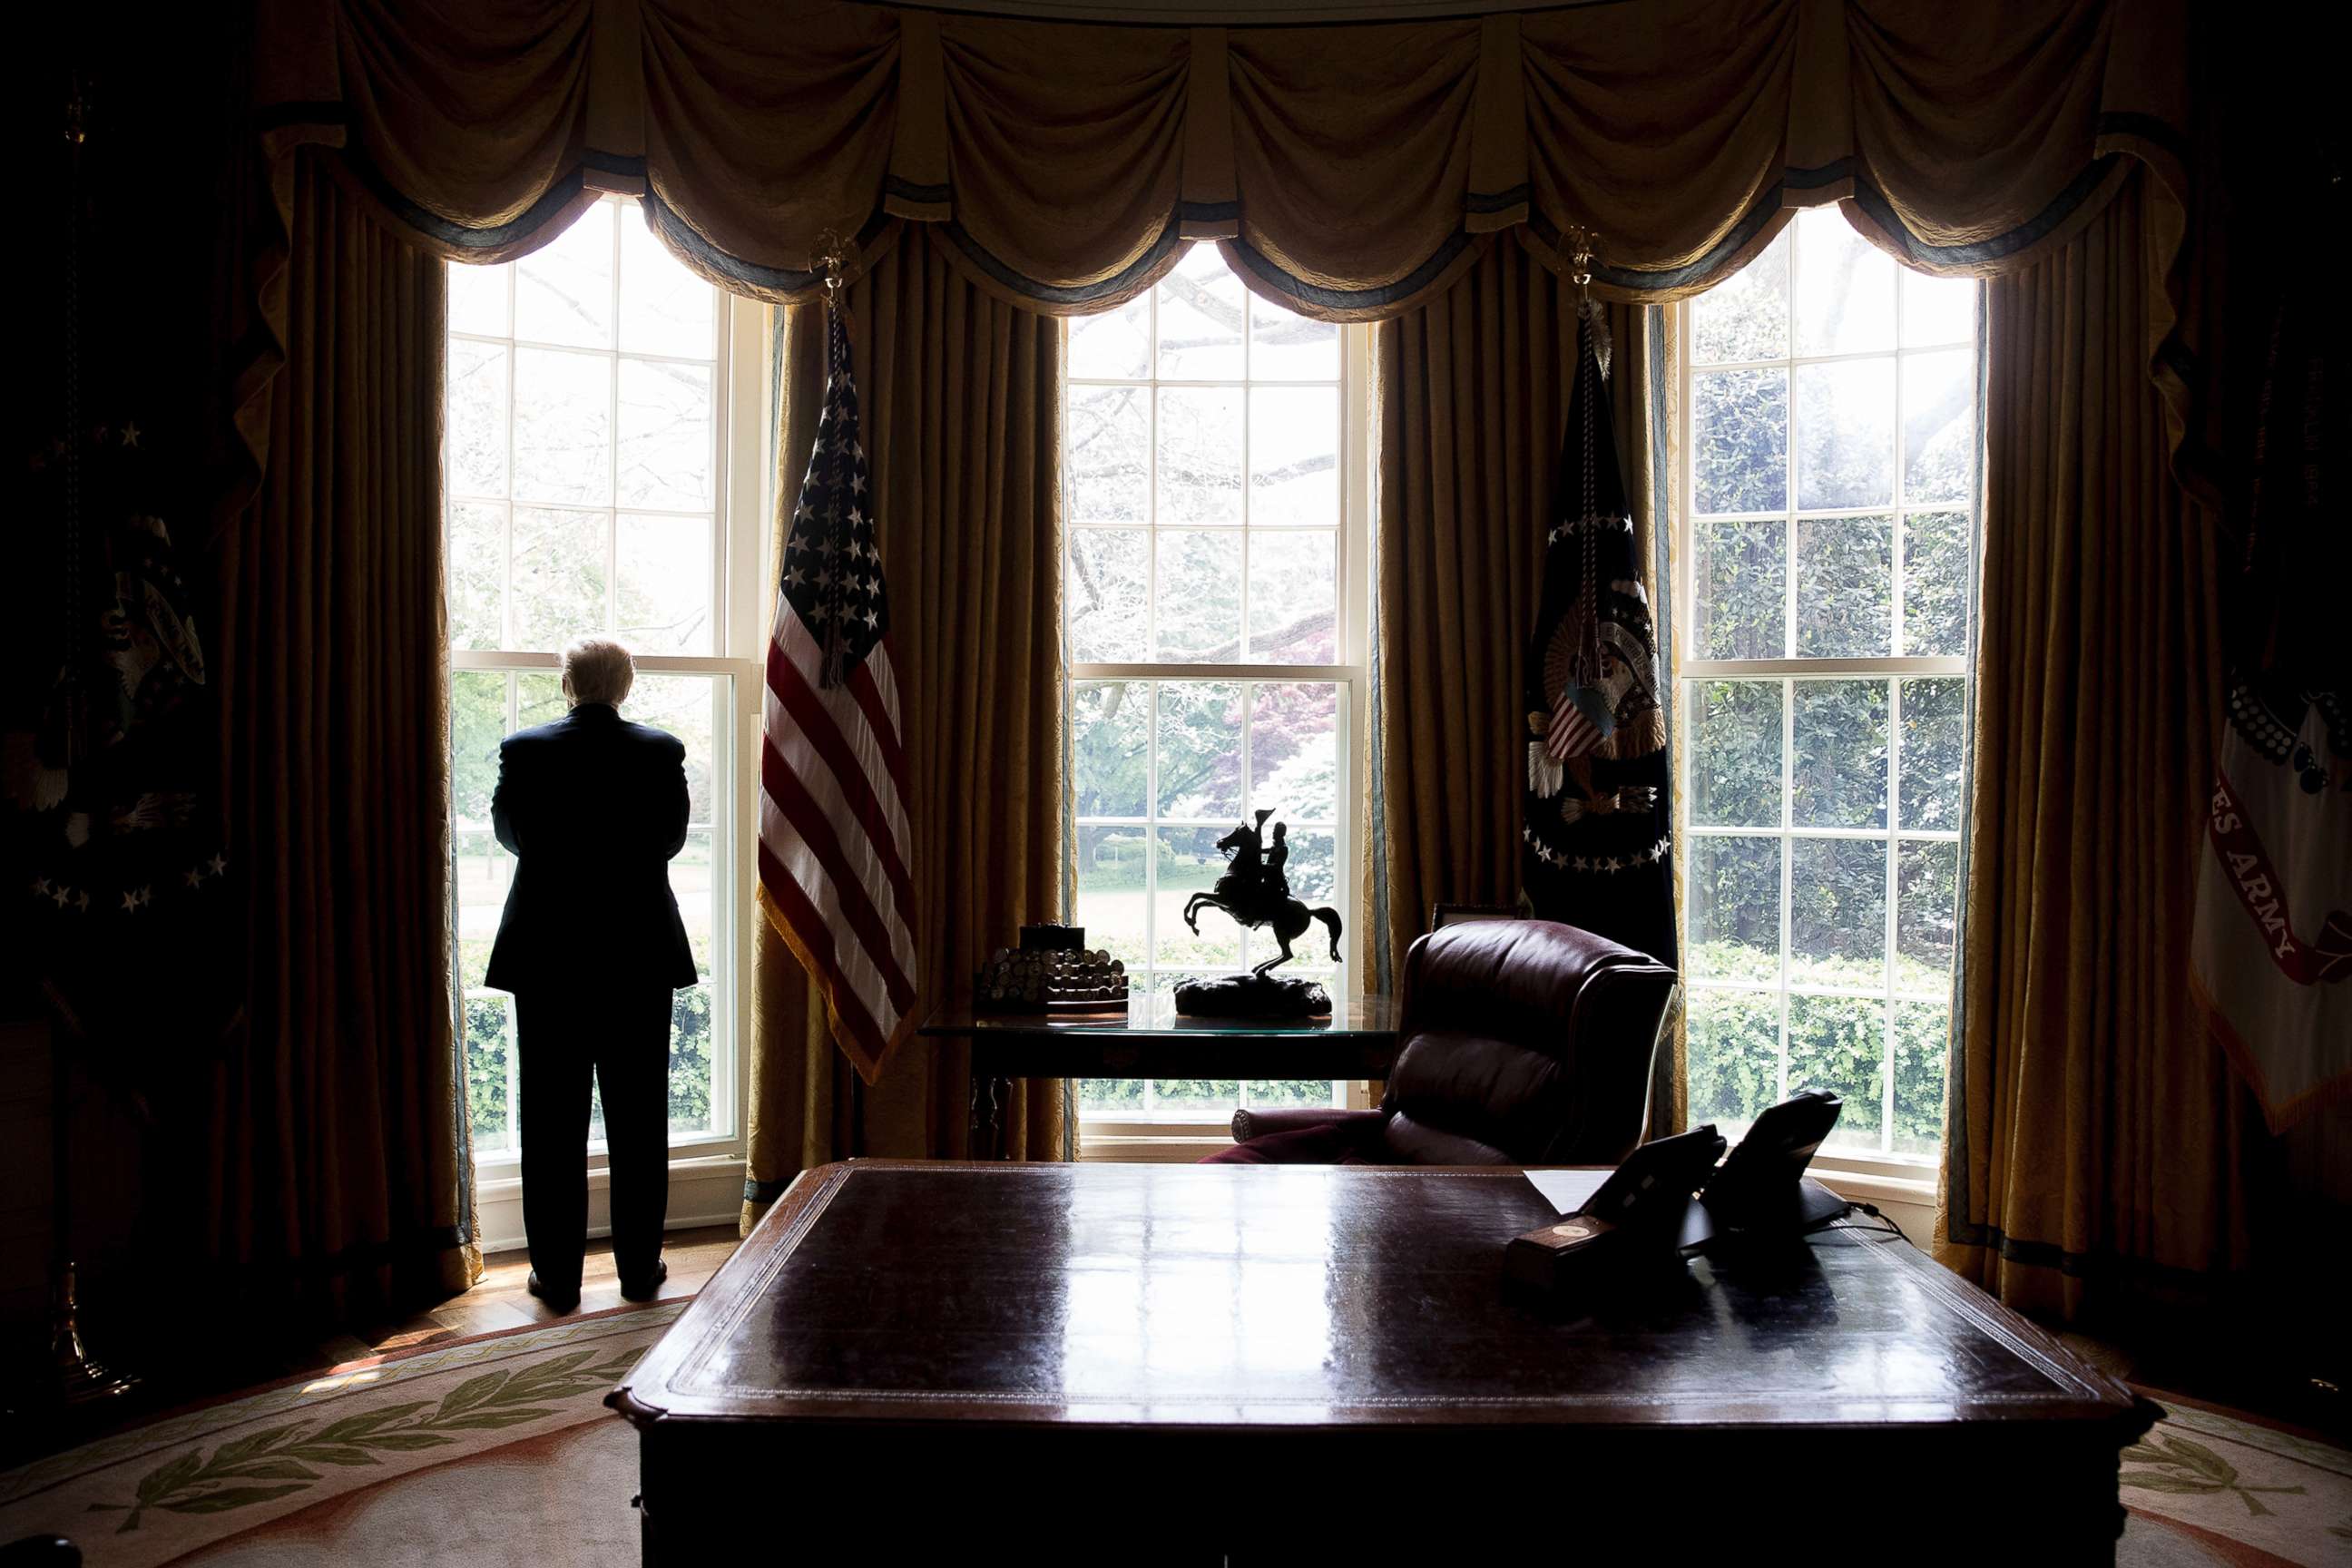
(1884, 1174)
(1186, 1134)
(707, 1168)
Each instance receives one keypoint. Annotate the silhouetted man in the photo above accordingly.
(592, 946)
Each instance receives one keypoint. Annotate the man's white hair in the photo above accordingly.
(598, 670)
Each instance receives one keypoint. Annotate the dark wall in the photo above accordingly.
(134, 229)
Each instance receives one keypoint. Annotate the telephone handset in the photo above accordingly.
(1761, 1188)
(1635, 1217)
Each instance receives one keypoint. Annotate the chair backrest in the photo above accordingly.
(1522, 1042)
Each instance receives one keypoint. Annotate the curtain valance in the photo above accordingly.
(1351, 169)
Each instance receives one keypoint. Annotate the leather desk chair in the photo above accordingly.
(1520, 1042)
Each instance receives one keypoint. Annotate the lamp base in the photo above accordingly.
(78, 1378)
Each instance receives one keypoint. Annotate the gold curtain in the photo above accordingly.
(2094, 1132)
(960, 395)
(1472, 393)
(337, 1138)
(1350, 169)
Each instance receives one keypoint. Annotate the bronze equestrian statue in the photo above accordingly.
(1254, 892)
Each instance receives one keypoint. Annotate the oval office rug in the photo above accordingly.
(498, 1451)
(480, 1451)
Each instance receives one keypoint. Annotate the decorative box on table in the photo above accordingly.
(1052, 971)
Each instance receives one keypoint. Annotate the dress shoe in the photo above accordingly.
(645, 1289)
(559, 1301)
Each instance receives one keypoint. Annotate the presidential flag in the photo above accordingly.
(1596, 828)
(834, 839)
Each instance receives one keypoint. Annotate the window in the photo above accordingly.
(1214, 500)
(1831, 449)
(586, 467)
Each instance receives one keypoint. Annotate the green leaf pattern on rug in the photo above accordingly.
(285, 1456)
(2185, 1469)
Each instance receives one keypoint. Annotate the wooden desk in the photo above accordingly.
(925, 1358)
(1150, 1039)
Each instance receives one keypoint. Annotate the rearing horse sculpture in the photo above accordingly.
(1256, 894)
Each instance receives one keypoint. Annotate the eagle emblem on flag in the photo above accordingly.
(833, 838)
(1596, 820)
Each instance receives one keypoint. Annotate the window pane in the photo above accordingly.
(563, 428)
(1839, 1044)
(665, 308)
(1939, 426)
(1200, 596)
(1195, 1094)
(1294, 598)
(1108, 588)
(1110, 1097)
(1937, 309)
(1837, 912)
(1740, 420)
(1936, 583)
(478, 721)
(564, 290)
(1922, 1049)
(1106, 457)
(489, 1058)
(1306, 1092)
(1114, 346)
(1201, 749)
(663, 606)
(1845, 289)
(1734, 1055)
(1846, 587)
(1201, 318)
(691, 879)
(1735, 754)
(1288, 347)
(691, 1039)
(1746, 315)
(1740, 582)
(1200, 454)
(1734, 890)
(1189, 863)
(666, 439)
(1933, 732)
(538, 698)
(1294, 455)
(1111, 870)
(1927, 886)
(478, 558)
(475, 402)
(1845, 434)
(1295, 750)
(681, 704)
(559, 577)
(1110, 731)
(1313, 872)
(477, 300)
(1839, 776)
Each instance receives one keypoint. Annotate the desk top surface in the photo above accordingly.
(1190, 1296)
(1352, 1016)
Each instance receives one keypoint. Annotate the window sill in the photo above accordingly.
(705, 1188)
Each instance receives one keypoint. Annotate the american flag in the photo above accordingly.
(833, 840)
(1574, 729)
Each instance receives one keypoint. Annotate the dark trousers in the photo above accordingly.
(622, 1036)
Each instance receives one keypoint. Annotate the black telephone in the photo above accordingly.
(1637, 1218)
(1762, 1188)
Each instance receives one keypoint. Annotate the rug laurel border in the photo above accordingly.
(371, 1377)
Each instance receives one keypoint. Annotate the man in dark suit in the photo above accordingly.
(592, 946)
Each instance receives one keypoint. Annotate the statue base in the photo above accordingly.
(1253, 996)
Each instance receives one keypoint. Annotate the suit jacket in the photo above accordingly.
(593, 807)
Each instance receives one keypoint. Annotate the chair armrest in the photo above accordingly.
(1249, 1124)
